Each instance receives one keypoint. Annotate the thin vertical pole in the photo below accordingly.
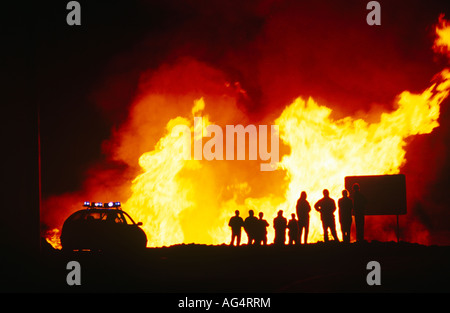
(398, 230)
(39, 173)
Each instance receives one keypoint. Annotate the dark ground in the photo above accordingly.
(193, 268)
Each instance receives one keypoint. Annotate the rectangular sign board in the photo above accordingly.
(385, 194)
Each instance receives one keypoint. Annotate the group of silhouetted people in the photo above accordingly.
(256, 228)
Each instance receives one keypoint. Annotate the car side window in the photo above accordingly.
(92, 216)
(115, 217)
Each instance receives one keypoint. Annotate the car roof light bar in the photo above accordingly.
(107, 205)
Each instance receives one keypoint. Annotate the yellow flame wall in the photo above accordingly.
(182, 200)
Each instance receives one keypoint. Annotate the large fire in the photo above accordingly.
(190, 200)
(322, 152)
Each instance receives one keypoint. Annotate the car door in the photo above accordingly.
(116, 228)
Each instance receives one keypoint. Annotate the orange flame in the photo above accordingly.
(442, 42)
(52, 237)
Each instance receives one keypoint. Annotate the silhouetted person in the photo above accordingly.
(262, 230)
(359, 210)
(345, 205)
(326, 206)
(251, 227)
(303, 208)
(294, 236)
(236, 223)
(280, 223)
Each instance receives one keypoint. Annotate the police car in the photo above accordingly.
(102, 226)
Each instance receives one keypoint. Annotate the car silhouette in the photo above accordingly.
(102, 227)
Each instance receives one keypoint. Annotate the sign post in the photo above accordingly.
(385, 194)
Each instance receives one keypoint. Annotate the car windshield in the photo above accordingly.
(91, 216)
(115, 217)
(128, 219)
